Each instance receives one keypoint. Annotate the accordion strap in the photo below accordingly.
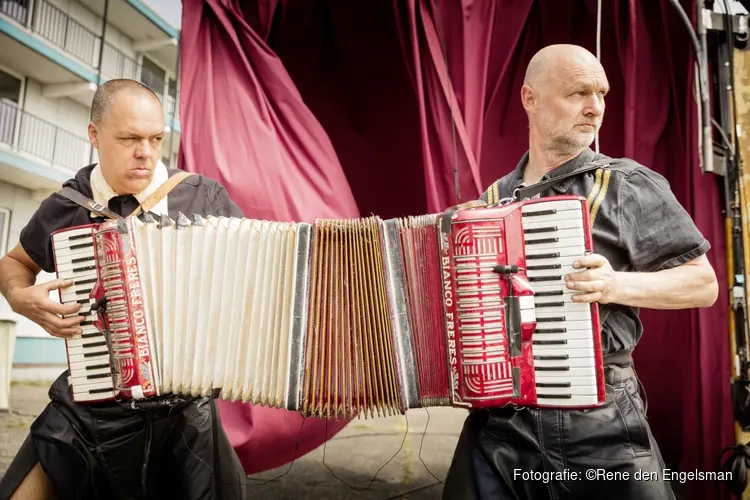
(529, 192)
(87, 203)
(162, 191)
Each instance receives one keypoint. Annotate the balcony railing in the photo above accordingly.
(29, 134)
(57, 27)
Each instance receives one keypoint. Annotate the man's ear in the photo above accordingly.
(528, 98)
(93, 135)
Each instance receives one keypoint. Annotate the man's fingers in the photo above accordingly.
(593, 260)
(591, 275)
(587, 297)
(64, 333)
(586, 286)
(56, 284)
(60, 309)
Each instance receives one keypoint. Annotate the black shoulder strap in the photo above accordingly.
(529, 192)
(87, 203)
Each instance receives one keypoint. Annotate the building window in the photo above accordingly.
(4, 229)
(10, 93)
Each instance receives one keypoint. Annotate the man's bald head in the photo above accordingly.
(105, 96)
(563, 95)
(553, 62)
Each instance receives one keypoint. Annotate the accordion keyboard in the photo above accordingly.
(88, 355)
(563, 341)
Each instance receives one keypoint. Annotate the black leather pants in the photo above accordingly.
(531, 454)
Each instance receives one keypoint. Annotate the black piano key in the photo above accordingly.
(85, 323)
(82, 245)
(540, 212)
(552, 368)
(93, 280)
(96, 367)
(540, 230)
(541, 241)
(80, 237)
(551, 330)
(103, 375)
(549, 342)
(550, 304)
(545, 278)
(90, 335)
(82, 259)
(544, 268)
(97, 391)
(551, 293)
(95, 354)
(553, 384)
(553, 357)
(85, 268)
(550, 320)
(83, 292)
(540, 256)
(83, 301)
(95, 344)
(554, 396)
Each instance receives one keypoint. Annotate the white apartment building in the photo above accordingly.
(53, 55)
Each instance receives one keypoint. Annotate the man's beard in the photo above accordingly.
(572, 142)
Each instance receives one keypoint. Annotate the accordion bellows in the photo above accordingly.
(337, 318)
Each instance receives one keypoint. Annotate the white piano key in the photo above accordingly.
(562, 371)
(545, 313)
(577, 390)
(573, 362)
(82, 363)
(561, 234)
(574, 244)
(569, 335)
(575, 401)
(65, 235)
(528, 316)
(570, 345)
(569, 325)
(541, 222)
(582, 349)
(535, 254)
(558, 205)
(86, 397)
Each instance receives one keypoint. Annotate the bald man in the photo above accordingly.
(167, 447)
(647, 253)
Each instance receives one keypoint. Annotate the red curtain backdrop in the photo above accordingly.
(333, 108)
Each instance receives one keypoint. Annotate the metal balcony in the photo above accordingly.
(40, 140)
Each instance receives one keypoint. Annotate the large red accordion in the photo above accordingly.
(466, 308)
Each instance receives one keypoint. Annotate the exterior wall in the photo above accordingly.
(37, 355)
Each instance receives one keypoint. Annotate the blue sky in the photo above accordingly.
(170, 10)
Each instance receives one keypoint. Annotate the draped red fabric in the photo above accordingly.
(302, 108)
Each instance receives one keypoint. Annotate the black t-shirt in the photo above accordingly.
(195, 195)
(638, 225)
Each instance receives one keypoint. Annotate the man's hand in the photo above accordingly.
(34, 303)
(596, 281)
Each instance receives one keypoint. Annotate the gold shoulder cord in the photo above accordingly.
(598, 192)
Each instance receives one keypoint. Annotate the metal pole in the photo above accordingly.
(101, 58)
(176, 104)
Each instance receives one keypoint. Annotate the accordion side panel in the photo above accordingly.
(198, 234)
(249, 342)
(271, 330)
(204, 310)
(167, 312)
(399, 313)
(299, 310)
(229, 273)
(232, 352)
(152, 270)
(260, 299)
(183, 258)
(140, 239)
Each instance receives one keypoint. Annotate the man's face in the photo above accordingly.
(129, 140)
(570, 107)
